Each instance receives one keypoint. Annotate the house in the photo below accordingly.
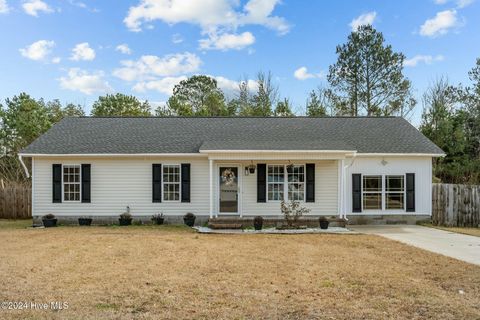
(373, 168)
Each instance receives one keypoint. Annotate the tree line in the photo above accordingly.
(366, 79)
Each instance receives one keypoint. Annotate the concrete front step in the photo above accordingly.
(218, 225)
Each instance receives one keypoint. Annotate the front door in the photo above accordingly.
(228, 190)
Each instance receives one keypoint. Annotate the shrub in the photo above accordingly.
(126, 216)
(48, 216)
(292, 211)
(157, 216)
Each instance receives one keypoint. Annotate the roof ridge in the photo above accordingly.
(237, 117)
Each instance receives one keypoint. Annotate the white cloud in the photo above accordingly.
(208, 14)
(177, 38)
(123, 48)
(459, 3)
(85, 82)
(164, 85)
(4, 8)
(149, 67)
(56, 60)
(464, 3)
(303, 74)
(227, 41)
(440, 24)
(427, 59)
(364, 19)
(231, 86)
(38, 51)
(82, 51)
(33, 7)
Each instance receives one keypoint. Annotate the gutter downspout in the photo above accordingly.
(24, 166)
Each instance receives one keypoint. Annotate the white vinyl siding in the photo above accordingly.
(120, 182)
(393, 166)
(326, 189)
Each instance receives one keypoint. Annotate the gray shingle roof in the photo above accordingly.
(88, 135)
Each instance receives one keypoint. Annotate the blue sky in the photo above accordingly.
(76, 50)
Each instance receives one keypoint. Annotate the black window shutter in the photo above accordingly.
(156, 182)
(410, 192)
(310, 182)
(261, 182)
(356, 192)
(56, 183)
(185, 182)
(86, 183)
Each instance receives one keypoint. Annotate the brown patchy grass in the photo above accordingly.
(464, 230)
(173, 273)
(15, 224)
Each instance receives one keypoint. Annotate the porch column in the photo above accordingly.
(341, 188)
(210, 162)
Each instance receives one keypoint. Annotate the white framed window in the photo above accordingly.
(395, 192)
(275, 182)
(171, 182)
(372, 192)
(71, 182)
(286, 180)
(383, 192)
(296, 182)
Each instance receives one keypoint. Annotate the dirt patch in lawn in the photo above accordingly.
(155, 272)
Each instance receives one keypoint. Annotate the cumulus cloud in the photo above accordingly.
(4, 8)
(364, 19)
(123, 48)
(209, 14)
(231, 86)
(85, 82)
(227, 41)
(33, 7)
(440, 24)
(303, 74)
(427, 59)
(38, 51)
(56, 60)
(164, 85)
(149, 67)
(82, 51)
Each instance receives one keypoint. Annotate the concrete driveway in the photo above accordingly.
(455, 245)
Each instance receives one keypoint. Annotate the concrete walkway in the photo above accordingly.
(455, 245)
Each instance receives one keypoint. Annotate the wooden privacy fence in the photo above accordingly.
(455, 205)
(15, 201)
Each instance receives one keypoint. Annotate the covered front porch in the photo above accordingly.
(248, 183)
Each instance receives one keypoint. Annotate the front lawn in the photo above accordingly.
(173, 273)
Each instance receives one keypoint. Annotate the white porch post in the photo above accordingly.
(341, 188)
(210, 162)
